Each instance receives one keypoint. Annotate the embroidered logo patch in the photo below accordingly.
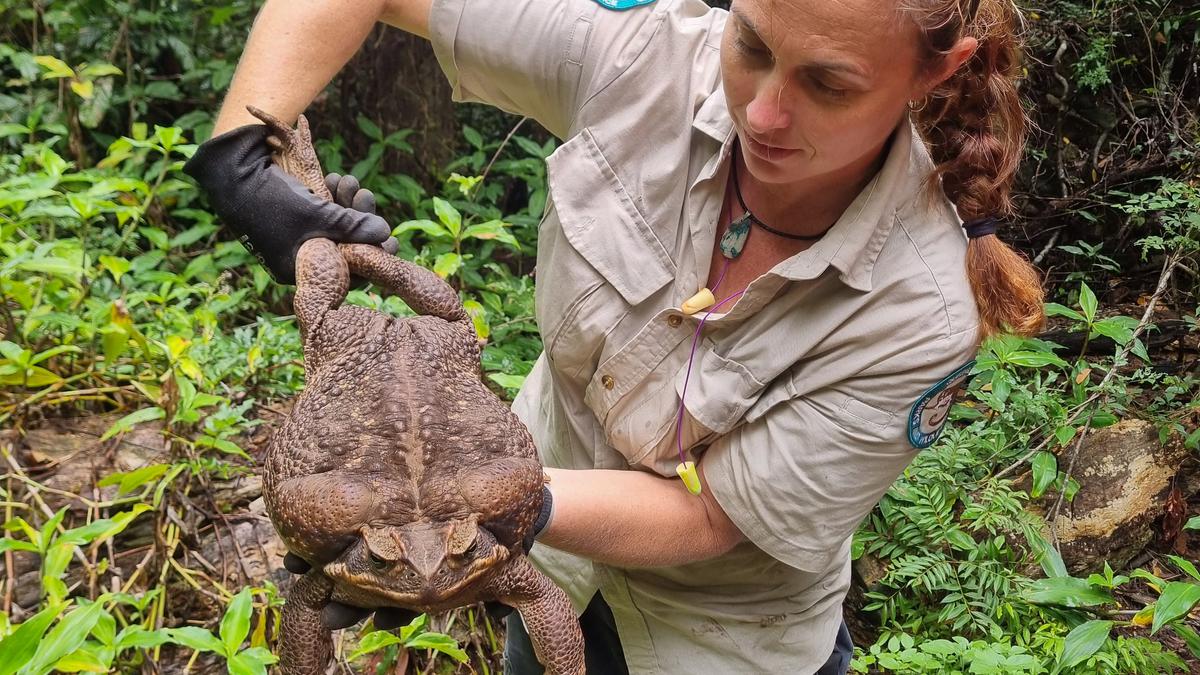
(623, 4)
(930, 411)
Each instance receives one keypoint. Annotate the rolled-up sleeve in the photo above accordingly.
(540, 58)
(798, 479)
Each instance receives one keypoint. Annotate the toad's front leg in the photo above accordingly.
(305, 644)
(547, 613)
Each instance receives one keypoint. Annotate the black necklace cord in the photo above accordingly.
(737, 188)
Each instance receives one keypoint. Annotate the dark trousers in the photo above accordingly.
(602, 647)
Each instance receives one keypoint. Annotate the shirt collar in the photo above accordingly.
(853, 244)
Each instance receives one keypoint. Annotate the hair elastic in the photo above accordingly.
(981, 227)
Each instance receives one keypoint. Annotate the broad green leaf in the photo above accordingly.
(1177, 599)
(1186, 565)
(127, 422)
(59, 267)
(34, 376)
(1113, 329)
(117, 267)
(17, 545)
(1083, 641)
(235, 625)
(95, 70)
(84, 89)
(129, 481)
(13, 130)
(1030, 359)
(439, 643)
(448, 215)
(18, 648)
(137, 637)
(369, 128)
(374, 641)
(1193, 523)
(478, 317)
(1066, 591)
(447, 264)
(507, 381)
(1189, 637)
(168, 137)
(55, 68)
(194, 637)
(473, 137)
(492, 229)
(427, 226)
(87, 659)
(54, 351)
(1055, 309)
(253, 661)
(101, 530)
(66, 637)
(1045, 472)
(1087, 302)
(1065, 434)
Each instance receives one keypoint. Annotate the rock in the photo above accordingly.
(1125, 476)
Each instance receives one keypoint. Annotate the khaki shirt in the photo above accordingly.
(800, 393)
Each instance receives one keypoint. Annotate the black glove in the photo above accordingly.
(272, 212)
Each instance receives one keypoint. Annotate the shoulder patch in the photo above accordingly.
(929, 413)
(619, 5)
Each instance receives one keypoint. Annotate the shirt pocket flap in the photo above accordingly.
(601, 222)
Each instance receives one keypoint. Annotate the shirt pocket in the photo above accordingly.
(597, 259)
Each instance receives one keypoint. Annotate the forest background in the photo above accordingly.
(144, 357)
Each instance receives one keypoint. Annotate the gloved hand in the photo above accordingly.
(272, 212)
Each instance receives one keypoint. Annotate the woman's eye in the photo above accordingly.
(828, 91)
(756, 51)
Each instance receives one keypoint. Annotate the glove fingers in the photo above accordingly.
(353, 226)
(331, 182)
(364, 200)
(388, 618)
(295, 564)
(346, 189)
(336, 616)
(391, 245)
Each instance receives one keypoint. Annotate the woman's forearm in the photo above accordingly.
(635, 519)
(297, 46)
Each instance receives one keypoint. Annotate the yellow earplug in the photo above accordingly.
(691, 477)
(702, 300)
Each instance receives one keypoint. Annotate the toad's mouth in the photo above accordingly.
(402, 585)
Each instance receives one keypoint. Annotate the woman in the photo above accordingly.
(794, 174)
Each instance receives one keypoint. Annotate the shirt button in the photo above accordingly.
(608, 381)
(674, 320)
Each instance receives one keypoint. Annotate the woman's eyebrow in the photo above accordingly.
(745, 21)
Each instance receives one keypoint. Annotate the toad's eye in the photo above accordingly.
(378, 563)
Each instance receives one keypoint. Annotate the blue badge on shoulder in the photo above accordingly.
(929, 413)
(623, 4)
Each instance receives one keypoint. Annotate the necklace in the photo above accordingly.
(734, 239)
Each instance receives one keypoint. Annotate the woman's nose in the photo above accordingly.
(768, 110)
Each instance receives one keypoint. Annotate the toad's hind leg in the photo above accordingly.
(423, 290)
(547, 613)
(305, 644)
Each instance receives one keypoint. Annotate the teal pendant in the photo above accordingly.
(735, 237)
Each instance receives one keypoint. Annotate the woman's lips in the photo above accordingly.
(769, 153)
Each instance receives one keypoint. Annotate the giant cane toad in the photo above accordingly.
(398, 475)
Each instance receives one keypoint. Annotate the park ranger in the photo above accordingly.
(754, 286)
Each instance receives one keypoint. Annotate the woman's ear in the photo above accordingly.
(950, 62)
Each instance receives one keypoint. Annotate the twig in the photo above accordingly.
(496, 155)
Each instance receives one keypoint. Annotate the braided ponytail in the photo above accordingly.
(975, 128)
